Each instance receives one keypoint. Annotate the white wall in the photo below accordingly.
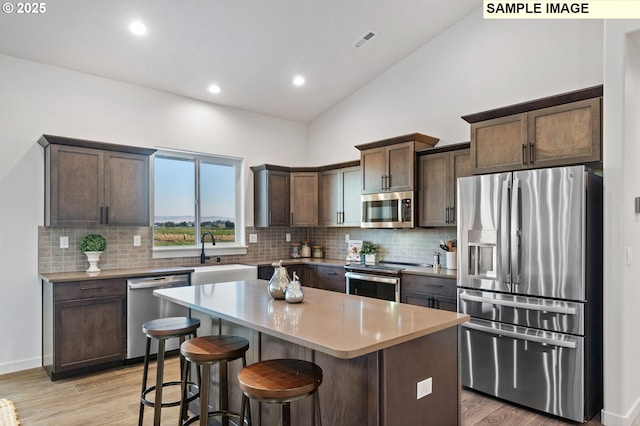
(474, 66)
(622, 225)
(37, 99)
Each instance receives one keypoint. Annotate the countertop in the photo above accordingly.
(142, 272)
(114, 273)
(340, 325)
(302, 260)
(415, 270)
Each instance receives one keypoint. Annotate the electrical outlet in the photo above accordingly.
(287, 237)
(218, 260)
(253, 238)
(136, 240)
(64, 242)
(424, 388)
(346, 238)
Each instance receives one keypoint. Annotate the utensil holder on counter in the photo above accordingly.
(451, 257)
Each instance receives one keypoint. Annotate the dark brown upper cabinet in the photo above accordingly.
(304, 198)
(339, 197)
(91, 183)
(270, 196)
(555, 131)
(290, 196)
(389, 164)
(438, 170)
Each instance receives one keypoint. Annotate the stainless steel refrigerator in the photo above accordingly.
(530, 277)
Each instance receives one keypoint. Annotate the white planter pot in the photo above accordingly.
(93, 257)
(369, 259)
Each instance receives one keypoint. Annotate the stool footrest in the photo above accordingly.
(216, 413)
(148, 403)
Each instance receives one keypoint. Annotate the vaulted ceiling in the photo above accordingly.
(250, 49)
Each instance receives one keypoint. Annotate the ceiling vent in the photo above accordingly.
(365, 39)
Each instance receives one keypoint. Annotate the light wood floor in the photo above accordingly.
(111, 398)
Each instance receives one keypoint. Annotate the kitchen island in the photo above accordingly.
(373, 353)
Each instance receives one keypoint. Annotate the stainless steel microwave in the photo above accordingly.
(387, 210)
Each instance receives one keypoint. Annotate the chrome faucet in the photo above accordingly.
(204, 258)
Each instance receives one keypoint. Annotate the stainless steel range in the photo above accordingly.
(380, 281)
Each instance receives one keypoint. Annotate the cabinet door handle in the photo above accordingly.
(90, 288)
(446, 215)
(382, 182)
(524, 154)
(338, 218)
(453, 214)
(269, 217)
(531, 159)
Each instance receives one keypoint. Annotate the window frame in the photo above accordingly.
(236, 248)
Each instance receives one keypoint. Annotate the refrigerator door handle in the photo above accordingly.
(516, 217)
(520, 336)
(519, 305)
(504, 233)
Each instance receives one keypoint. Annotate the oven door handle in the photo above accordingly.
(520, 336)
(365, 277)
(519, 305)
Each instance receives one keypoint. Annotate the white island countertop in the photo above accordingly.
(340, 325)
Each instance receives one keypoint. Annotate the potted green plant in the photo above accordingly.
(92, 246)
(369, 250)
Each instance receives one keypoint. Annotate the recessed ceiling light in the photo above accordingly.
(298, 80)
(214, 88)
(138, 28)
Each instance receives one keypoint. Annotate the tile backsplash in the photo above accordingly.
(403, 245)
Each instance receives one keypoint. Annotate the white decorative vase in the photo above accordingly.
(370, 259)
(93, 257)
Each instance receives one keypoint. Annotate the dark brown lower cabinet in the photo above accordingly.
(428, 291)
(266, 272)
(310, 276)
(83, 326)
(317, 276)
(332, 278)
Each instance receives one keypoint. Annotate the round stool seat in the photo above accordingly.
(211, 349)
(280, 380)
(203, 352)
(163, 328)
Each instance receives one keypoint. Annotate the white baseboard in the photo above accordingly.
(611, 419)
(24, 364)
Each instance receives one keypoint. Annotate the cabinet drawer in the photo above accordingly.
(88, 289)
(332, 278)
(429, 285)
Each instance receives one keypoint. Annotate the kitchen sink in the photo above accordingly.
(209, 274)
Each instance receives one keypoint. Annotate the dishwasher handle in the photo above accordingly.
(158, 282)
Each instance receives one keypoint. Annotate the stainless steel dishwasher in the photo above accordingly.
(143, 306)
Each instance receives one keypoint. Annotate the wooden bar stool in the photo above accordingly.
(163, 329)
(282, 381)
(204, 352)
